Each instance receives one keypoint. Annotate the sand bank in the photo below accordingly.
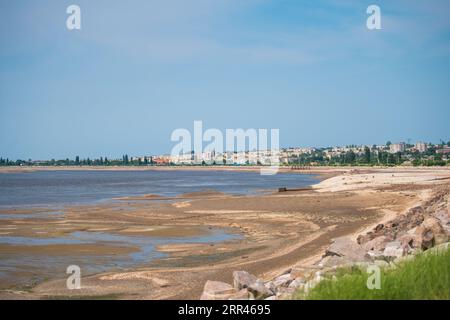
(277, 231)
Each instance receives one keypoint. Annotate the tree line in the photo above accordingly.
(102, 161)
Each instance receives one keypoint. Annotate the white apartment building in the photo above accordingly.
(421, 147)
(397, 147)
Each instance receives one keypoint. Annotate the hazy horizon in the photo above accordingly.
(138, 70)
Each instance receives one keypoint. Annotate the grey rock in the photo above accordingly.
(259, 290)
(346, 248)
(216, 290)
(283, 280)
(297, 283)
(439, 233)
(394, 250)
(243, 294)
(377, 244)
(243, 279)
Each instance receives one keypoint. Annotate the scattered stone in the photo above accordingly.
(283, 281)
(296, 283)
(376, 255)
(412, 240)
(259, 290)
(243, 294)
(344, 247)
(439, 233)
(216, 290)
(425, 237)
(243, 279)
(424, 227)
(269, 285)
(393, 250)
(444, 219)
(377, 244)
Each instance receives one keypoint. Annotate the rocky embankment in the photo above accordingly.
(416, 230)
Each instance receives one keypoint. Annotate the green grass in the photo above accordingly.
(426, 277)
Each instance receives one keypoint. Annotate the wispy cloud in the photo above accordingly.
(202, 30)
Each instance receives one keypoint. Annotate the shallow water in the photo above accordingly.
(56, 189)
(21, 268)
(50, 188)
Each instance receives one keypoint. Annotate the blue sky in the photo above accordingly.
(140, 69)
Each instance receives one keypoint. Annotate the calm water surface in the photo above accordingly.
(55, 189)
(46, 188)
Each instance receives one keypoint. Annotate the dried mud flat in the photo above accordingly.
(275, 231)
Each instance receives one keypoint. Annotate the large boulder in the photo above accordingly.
(259, 290)
(216, 290)
(243, 294)
(377, 244)
(345, 248)
(297, 283)
(245, 280)
(424, 237)
(439, 233)
(429, 234)
(283, 280)
(444, 218)
(412, 240)
(394, 250)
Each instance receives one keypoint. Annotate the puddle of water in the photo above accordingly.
(44, 266)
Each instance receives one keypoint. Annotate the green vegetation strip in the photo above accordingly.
(426, 277)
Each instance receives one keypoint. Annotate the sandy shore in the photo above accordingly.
(277, 231)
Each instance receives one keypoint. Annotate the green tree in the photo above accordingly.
(350, 157)
(367, 155)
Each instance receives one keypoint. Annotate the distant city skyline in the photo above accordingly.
(392, 147)
(138, 70)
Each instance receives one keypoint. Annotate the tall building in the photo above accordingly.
(421, 147)
(397, 147)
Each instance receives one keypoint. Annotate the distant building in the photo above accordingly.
(397, 147)
(444, 150)
(161, 160)
(421, 147)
